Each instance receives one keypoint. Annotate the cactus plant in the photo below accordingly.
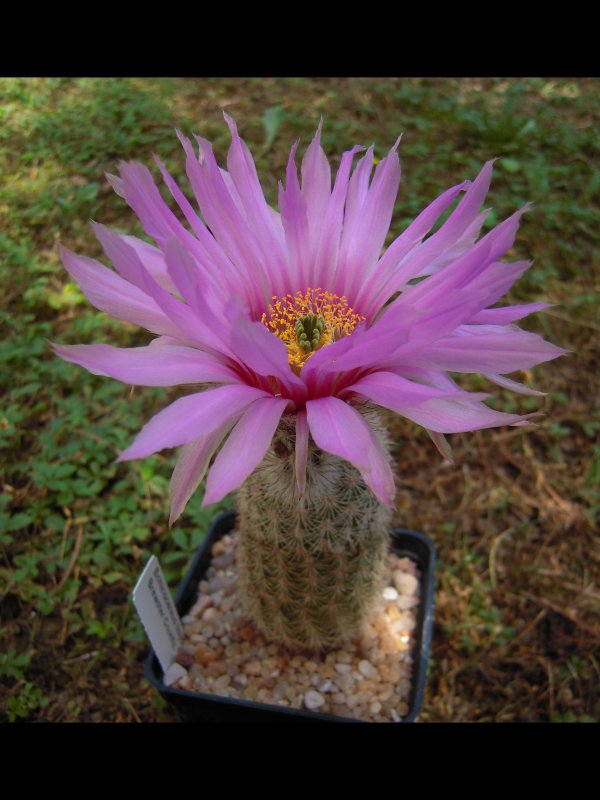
(298, 329)
(310, 564)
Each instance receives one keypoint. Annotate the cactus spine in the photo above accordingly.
(310, 568)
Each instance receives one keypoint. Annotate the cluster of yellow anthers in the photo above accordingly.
(285, 314)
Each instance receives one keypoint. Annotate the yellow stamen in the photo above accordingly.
(284, 313)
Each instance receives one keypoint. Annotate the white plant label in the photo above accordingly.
(158, 614)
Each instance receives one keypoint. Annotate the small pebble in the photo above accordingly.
(313, 699)
(405, 583)
(389, 593)
(367, 669)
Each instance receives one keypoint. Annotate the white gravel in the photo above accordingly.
(368, 679)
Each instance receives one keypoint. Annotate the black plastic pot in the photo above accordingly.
(194, 707)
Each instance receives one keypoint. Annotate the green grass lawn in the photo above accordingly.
(517, 633)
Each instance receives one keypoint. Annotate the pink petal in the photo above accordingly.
(507, 314)
(244, 449)
(485, 348)
(125, 258)
(337, 428)
(153, 260)
(358, 189)
(455, 416)
(219, 269)
(148, 366)
(365, 232)
(398, 393)
(460, 228)
(301, 450)
(226, 223)
(268, 230)
(513, 386)
(294, 217)
(497, 279)
(191, 467)
(109, 292)
(324, 266)
(190, 417)
(157, 219)
(316, 187)
(442, 445)
(265, 354)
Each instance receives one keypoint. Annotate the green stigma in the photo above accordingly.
(309, 330)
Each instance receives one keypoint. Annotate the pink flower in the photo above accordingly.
(299, 312)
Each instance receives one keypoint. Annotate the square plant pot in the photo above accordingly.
(200, 707)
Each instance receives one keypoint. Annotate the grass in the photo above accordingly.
(517, 634)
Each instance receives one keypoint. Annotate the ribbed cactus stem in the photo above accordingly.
(310, 568)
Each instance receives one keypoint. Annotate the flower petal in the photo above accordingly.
(190, 417)
(226, 222)
(324, 266)
(244, 449)
(109, 292)
(484, 348)
(338, 428)
(148, 366)
(267, 228)
(153, 260)
(191, 467)
(455, 235)
(157, 219)
(507, 314)
(265, 354)
(301, 450)
(397, 393)
(455, 416)
(513, 386)
(365, 232)
(294, 217)
(316, 188)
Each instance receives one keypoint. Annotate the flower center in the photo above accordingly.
(309, 321)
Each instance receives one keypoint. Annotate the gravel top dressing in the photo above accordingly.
(368, 679)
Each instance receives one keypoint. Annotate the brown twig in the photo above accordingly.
(73, 560)
(542, 601)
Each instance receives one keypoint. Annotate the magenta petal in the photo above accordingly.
(397, 393)
(442, 445)
(358, 189)
(142, 194)
(226, 223)
(109, 292)
(244, 449)
(191, 467)
(166, 365)
(294, 217)
(153, 260)
(266, 354)
(316, 187)
(455, 416)
(190, 417)
(301, 450)
(507, 314)
(267, 229)
(337, 428)
(324, 266)
(219, 269)
(511, 385)
(365, 233)
(485, 348)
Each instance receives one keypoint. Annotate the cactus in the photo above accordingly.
(310, 567)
